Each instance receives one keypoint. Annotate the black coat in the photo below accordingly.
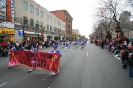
(125, 55)
(130, 61)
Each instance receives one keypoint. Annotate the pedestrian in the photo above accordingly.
(32, 60)
(66, 45)
(1, 51)
(130, 64)
(62, 44)
(56, 51)
(124, 57)
(110, 45)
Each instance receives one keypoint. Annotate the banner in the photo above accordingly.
(38, 60)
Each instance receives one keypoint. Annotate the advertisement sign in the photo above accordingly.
(38, 60)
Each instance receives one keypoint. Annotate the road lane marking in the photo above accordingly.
(87, 53)
(64, 52)
(3, 84)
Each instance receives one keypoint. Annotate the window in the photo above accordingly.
(25, 20)
(54, 29)
(41, 24)
(50, 18)
(25, 5)
(41, 14)
(47, 27)
(58, 22)
(50, 28)
(55, 21)
(37, 12)
(32, 22)
(31, 9)
(37, 23)
(68, 31)
(69, 21)
(47, 17)
(68, 25)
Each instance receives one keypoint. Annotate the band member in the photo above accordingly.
(56, 51)
(32, 60)
(66, 45)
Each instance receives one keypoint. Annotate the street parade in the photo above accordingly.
(66, 44)
(28, 51)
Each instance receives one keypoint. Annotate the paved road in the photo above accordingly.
(90, 67)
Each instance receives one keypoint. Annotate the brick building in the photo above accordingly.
(67, 18)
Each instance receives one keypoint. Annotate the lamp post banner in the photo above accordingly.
(38, 60)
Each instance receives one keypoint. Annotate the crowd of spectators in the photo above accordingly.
(27, 45)
(121, 48)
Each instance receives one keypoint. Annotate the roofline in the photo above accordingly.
(68, 13)
(63, 10)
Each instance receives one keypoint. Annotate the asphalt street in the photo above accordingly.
(90, 67)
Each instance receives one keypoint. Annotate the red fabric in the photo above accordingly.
(131, 47)
(3, 44)
(38, 60)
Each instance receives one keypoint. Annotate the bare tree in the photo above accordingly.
(111, 9)
(21, 22)
(125, 20)
(130, 2)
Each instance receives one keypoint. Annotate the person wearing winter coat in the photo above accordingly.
(124, 57)
(130, 64)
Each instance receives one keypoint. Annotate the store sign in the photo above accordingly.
(20, 32)
(28, 32)
(6, 31)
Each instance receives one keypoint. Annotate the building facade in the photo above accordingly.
(34, 22)
(67, 18)
(6, 20)
(75, 34)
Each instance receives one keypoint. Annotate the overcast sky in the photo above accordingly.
(81, 10)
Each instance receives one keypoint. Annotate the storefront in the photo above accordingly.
(49, 37)
(56, 38)
(31, 36)
(6, 34)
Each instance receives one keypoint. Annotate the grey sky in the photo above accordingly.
(81, 10)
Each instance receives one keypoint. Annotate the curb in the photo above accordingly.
(117, 57)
